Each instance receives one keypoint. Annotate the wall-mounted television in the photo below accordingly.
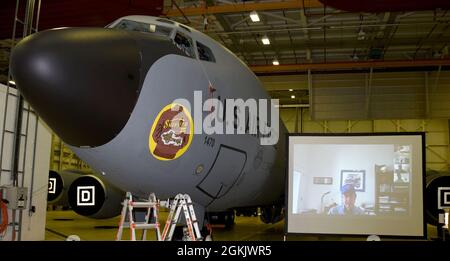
(356, 184)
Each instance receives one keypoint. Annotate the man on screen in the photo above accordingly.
(348, 203)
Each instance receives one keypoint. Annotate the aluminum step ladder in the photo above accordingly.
(182, 202)
(151, 218)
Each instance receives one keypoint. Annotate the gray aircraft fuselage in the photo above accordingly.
(102, 90)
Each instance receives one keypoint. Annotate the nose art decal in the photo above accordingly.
(171, 133)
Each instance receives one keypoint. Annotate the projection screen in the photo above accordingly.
(356, 184)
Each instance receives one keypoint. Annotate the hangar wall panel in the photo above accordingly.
(359, 96)
(437, 131)
(62, 157)
(284, 82)
(32, 224)
(288, 117)
(439, 94)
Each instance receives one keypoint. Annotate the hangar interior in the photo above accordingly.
(377, 69)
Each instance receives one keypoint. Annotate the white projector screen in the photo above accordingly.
(356, 184)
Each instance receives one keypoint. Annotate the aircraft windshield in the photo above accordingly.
(130, 25)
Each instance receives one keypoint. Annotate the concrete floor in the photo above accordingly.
(61, 224)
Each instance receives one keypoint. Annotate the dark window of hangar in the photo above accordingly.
(130, 25)
(204, 53)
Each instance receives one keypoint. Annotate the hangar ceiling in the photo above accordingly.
(69, 13)
(304, 35)
(316, 33)
(66, 13)
(307, 35)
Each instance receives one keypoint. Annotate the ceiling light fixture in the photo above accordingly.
(291, 90)
(12, 82)
(276, 62)
(265, 40)
(254, 16)
(292, 96)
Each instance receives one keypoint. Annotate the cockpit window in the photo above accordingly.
(185, 44)
(165, 21)
(185, 28)
(204, 53)
(130, 25)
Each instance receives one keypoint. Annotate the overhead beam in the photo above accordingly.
(284, 43)
(349, 65)
(242, 7)
(304, 23)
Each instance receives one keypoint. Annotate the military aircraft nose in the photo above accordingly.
(83, 82)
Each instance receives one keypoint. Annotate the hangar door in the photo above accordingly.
(224, 173)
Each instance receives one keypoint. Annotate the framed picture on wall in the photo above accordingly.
(355, 177)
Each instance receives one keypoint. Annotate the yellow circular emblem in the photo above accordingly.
(171, 133)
